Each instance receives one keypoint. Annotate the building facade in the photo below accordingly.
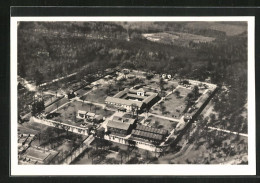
(129, 98)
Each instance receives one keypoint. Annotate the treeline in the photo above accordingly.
(49, 50)
(154, 27)
(54, 56)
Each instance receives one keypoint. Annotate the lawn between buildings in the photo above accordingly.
(173, 105)
(99, 94)
(67, 114)
(105, 88)
(161, 123)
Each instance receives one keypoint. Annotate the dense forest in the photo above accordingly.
(48, 50)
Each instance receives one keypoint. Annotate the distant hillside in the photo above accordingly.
(54, 49)
(201, 28)
(230, 28)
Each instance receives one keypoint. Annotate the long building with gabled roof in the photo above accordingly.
(124, 130)
(129, 97)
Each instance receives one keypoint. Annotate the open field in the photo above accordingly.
(183, 39)
(173, 105)
(160, 123)
(229, 29)
(161, 37)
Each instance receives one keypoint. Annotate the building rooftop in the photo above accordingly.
(147, 135)
(40, 154)
(149, 98)
(118, 125)
(121, 97)
(136, 96)
(140, 90)
(82, 112)
(123, 120)
(124, 101)
(120, 94)
(91, 114)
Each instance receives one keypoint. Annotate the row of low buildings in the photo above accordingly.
(126, 131)
(28, 154)
(89, 116)
(128, 98)
(37, 155)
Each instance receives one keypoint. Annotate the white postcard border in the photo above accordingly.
(172, 169)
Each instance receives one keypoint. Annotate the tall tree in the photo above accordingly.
(38, 76)
(134, 108)
(121, 153)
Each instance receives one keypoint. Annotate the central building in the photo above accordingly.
(129, 98)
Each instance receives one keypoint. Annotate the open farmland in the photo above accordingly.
(179, 38)
(161, 37)
(229, 29)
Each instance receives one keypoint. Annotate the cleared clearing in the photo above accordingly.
(177, 38)
(229, 29)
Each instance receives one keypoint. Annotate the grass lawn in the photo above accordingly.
(31, 127)
(183, 91)
(173, 106)
(68, 112)
(54, 105)
(160, 123)
(154, 84)
(99, 94)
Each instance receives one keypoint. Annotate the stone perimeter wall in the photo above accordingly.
(55, 124)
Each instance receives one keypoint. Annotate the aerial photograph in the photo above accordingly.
(132, 92)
